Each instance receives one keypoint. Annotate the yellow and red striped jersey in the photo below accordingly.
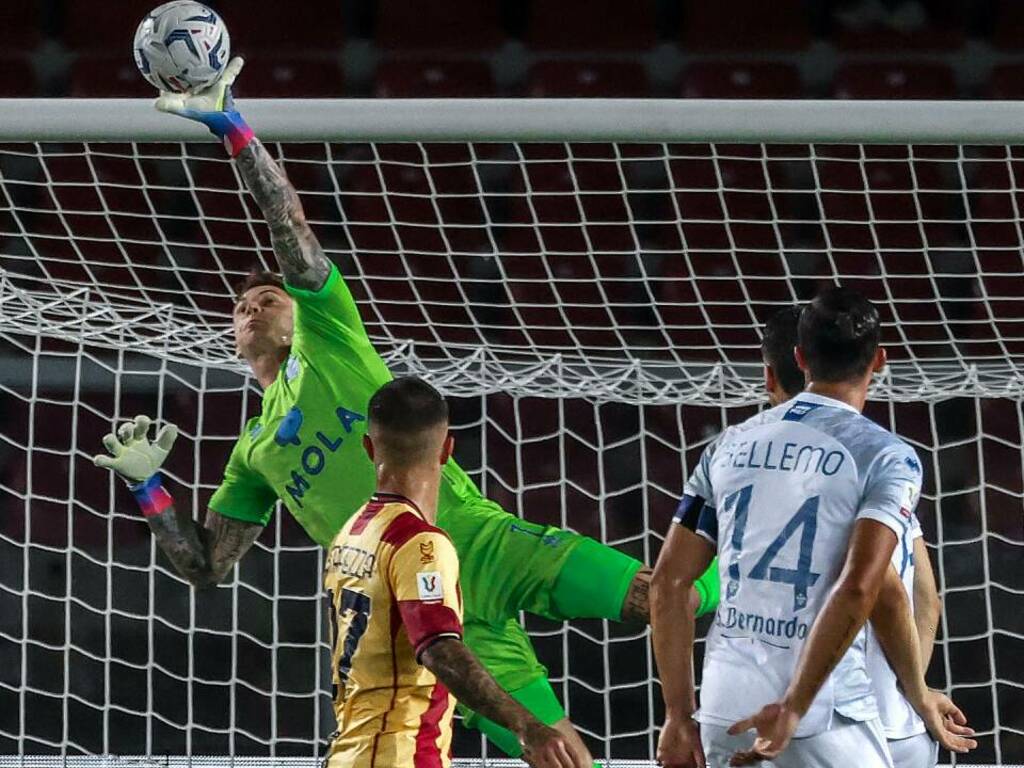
(393, 583)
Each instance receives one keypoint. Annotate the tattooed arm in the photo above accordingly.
(203, 555)
(460, 671)
(298, 251)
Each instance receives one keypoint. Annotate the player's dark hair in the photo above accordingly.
(777, 342)
(839, 333)
(402, 412)
(255, 279)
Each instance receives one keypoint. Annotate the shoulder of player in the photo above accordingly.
(405, 527)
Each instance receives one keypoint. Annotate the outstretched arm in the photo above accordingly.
(298, 252)
(203, 555)
(302, 260)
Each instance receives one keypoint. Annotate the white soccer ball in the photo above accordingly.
(181, 46)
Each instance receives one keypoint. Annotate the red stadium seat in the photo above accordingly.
(429, 78)
(593, 25)
(306, 26)
(1006, 82)
(1008, 29)
(100, 76)
(443, 25)
(741, 80)
(103, 27)
(940, 28)
(291, 77)
(20, 22)
(17, 78)
(895, 80)
(745, 25)
(554, 78)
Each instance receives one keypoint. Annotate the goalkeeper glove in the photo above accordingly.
(214, 108)
(137, 461)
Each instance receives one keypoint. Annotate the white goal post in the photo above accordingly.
(585, 278)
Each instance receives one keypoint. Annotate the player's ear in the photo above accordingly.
(770, 382)
(447, 448)
(881, 358)
(368, 446)
(801, 361)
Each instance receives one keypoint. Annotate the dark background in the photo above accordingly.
(89, 629)
(658, 48)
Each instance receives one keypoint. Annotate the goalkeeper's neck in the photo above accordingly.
(265, 366)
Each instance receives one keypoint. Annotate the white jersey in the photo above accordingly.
(778, 497)
(899, 719)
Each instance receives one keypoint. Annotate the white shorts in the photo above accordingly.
(920, 751)
(847, 744)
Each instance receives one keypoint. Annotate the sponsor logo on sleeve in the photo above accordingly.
(428, 583)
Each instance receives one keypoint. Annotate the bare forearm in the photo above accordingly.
(672, 633)
(302, 260)
(471, 684)
(894, 626)
(203, 555)
(833, 631)
(927, 605)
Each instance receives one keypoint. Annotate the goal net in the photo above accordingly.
(586, 283)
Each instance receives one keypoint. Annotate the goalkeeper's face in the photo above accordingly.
(263, 322)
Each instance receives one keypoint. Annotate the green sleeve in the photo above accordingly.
(243, 494)
(707, 588)
(329, 313)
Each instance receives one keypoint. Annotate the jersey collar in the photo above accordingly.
(391, 498)
(811, 397)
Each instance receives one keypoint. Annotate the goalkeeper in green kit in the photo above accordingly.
(305, 343)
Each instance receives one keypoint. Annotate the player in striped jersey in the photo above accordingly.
(396, 618)
(785, 498)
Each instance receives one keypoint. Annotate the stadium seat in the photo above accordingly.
(429, 78)
(894, 80)
(20, 21)
(940, 26)
(1006, 82)
(744, 25)
(441, 25)
(1008, 27)
(291, 77)
(610, 79)
(309, 26)
(103, 27)
(741, 80)
(17, 77)
(103, 75)
(592, 25)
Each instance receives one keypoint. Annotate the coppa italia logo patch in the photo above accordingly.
(428, 583)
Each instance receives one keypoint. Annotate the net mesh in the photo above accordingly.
(593, 309)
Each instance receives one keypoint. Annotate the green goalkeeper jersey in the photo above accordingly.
(305, 448)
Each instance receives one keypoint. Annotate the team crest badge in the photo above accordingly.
(426, 552)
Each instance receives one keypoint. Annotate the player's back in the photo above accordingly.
(782, 493)
(392, 580)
